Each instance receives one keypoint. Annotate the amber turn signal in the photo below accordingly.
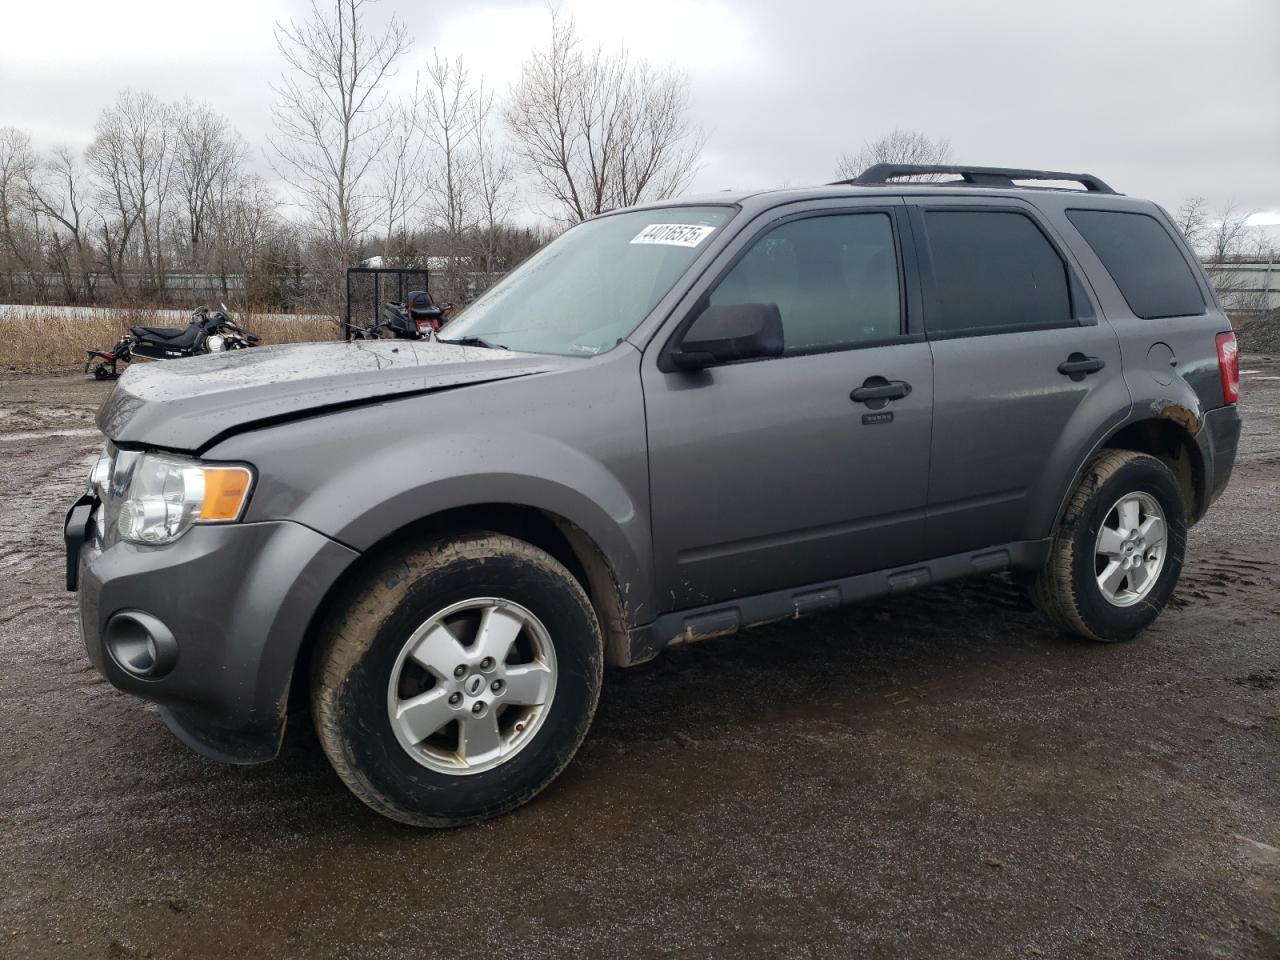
(226, 491)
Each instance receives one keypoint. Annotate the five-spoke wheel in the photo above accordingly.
(1129, 554)
(457, 678)
(1116, 555)
(472, 685)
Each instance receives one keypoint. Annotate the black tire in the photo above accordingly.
(352, 668)
(1066, 591)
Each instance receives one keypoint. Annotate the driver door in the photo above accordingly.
(767, 473)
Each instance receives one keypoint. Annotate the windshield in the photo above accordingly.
(588, 289)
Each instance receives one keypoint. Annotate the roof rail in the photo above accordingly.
(882, 173)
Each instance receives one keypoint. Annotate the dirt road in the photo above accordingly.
(941, 775)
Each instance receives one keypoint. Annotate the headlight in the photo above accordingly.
(100, 475)
(162, 495)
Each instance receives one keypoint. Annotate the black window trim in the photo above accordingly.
(1178, 245)
(894, 212)
(1084, 313)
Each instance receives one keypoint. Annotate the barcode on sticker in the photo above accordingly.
(674, 234)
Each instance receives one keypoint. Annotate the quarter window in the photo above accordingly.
(1143, 260)
(992, 270)
(834, 279)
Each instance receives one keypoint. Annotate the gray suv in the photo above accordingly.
(674, 422)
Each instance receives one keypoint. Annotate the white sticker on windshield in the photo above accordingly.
(674, 234)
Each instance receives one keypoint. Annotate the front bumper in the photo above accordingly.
(237, 599)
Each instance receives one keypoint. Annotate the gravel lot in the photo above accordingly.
(940, 775)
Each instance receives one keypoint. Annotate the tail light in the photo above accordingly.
(1229, 366)
(423, 326)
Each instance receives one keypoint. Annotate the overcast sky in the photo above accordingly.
(1162, 98)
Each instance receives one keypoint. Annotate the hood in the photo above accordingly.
(189, 404)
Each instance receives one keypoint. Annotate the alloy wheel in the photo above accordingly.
(1130, 549)
(472, 686)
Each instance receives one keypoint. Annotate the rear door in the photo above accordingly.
(768, 474)
(1026, 373)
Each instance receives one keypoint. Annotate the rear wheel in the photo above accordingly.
(1117, 554)
(458, 680)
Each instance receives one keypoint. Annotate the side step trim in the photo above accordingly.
(723, 619)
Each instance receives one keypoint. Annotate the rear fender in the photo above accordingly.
(1107, 407)
(1173, 405)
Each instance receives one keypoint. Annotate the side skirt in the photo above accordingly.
(728, 617)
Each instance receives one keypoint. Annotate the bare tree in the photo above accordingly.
(241, 232)
(58, 190)
(1227, 241)
(401, 177)
(132, 158)
(209, 155)
(448, 122)
(495, 179)
(597, 130)
(17, 235)
(1193, 221)
(897, 146)
(331, 122)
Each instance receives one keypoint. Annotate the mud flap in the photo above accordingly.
(74, 532)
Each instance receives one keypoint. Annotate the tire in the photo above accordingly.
(355, 706)
(1068, 590)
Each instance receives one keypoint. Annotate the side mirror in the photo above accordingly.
(729, 332)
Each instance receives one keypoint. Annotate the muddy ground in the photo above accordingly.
(940, 775)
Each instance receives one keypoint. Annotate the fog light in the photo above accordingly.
(140, 644)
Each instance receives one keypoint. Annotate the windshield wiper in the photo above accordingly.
(473, 342)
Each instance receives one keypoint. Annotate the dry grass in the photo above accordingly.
(54, 339)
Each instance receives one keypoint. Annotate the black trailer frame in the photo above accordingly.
(403, 286)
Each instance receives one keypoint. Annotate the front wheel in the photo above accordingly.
(1117, 554)
(457, 680)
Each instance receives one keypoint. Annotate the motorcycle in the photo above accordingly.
(418, 318)
(210, 331)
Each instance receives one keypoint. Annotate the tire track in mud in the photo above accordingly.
(46, 451)
(1249, 582)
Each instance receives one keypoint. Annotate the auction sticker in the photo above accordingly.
(674, 234)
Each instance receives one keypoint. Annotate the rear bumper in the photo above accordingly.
(236, 602)
(1218, 440)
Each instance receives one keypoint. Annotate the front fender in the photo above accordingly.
(404, 486)
(362, 474)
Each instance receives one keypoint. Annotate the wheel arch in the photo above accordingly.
(560, 537)
(1167, 437)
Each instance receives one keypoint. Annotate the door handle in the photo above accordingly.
(876, 391)
(1078, 366)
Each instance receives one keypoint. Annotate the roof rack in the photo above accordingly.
(882, 173)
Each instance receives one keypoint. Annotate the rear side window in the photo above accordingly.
(1143, 260)
(993, 270)
(834, 279)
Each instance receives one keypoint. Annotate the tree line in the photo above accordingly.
(165, 205)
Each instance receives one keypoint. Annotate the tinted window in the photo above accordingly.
(1143, 260)
(834, 279)
(991, 270)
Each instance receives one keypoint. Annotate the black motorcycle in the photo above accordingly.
(210, 331)
(418, 318)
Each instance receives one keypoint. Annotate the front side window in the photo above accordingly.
(833, 278)
(992, 270)
(1143, 260)
(587, 290)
